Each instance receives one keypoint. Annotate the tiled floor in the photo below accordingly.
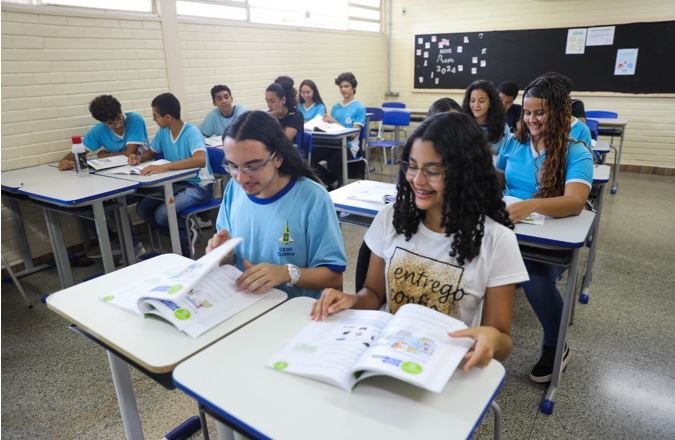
(620, 382)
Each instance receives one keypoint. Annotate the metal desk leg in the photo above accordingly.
(59, 250)
(498, 420)
(125, 397)
(224, 432)
(588, 275)
(547, 404)
(125, 233)
(103, 238)
(22, 241)
(615, 174)
(170, 202)
(345, 160)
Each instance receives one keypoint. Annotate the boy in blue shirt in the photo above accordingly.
(217, 120)
(115, 133)
(182, 145)
(291, 236)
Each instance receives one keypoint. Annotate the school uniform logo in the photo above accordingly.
(285, 241)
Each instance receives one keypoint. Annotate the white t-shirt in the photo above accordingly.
(422, 271)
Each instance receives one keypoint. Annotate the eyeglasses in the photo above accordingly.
(251, 169)
(433, 173)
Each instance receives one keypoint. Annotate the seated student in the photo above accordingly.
(282, 104)
(553, 175)
(217, 120)
(182, 144)
(311, 103)
(579, 110)
(481, 100)
(508, 92)
(349, 113)
(292, 239)
(444, 105)
(115, 133)
(450, 226)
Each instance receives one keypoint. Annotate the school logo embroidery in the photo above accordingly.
(348, 120)
(286, 238)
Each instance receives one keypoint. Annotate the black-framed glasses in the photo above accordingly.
(433, 173)
(252, 168)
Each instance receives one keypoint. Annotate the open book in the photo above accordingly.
(318, 124)
(375, 195)
(194, 296)
(136, 169)
(351, 345)
(533, 219)
(108, 162)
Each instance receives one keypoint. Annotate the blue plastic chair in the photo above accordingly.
(362, 156)
(592, 125)
(216, 157)
(396, 119)
(393, 104)
(303, 144)
(607, 115)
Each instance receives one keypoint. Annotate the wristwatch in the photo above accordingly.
(293, 273)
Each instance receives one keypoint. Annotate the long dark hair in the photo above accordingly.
(554, 92)
(260, 126)
(316, 96)
(284, 89)
(471, 192)
(495, 117)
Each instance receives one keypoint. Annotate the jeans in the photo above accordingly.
(544, 297)
(153, 211)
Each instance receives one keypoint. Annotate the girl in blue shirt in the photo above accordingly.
(553, 175)
(311, 104)
(481, 100)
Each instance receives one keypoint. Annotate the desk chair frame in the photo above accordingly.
(397, 119)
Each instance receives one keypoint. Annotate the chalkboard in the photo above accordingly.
(453, 61)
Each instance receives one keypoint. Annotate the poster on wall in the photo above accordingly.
(576, 41)
(626, 61)
(600, 36)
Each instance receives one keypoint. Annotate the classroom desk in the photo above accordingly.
(165, 181)
(154, 346)
(558, 241)
(231, 381)
(417, 114)
(342, 135)
(12, 181)
(64, 192)
(616, 124)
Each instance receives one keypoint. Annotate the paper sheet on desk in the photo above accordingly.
(533, 219)
(213, 141)
(374, 196)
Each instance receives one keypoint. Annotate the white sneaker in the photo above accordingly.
(202, 224)
(95, 252)
(139, 250)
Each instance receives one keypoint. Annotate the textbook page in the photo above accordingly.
(108, 162)
(533, 219)
(318, 124)
(327, 350)
(136, 169)
(212, 300)
(376, 195)
(415, 347)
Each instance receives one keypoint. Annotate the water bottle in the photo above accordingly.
(79, 156)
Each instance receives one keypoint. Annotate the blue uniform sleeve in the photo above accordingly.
(359, 116)
(324, 238)
(92, 141)
(156, 144)
(136, 132)
(208, 127)
(223, 220)
(194, 139)
(579, 165)
(500, 164)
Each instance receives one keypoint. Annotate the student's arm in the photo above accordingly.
(198, 160)
(370, 297)
(263, 276)
(129, 150)
(135, 159)
(67, 163)
(493, 337)
(290, 133)
(572, 202)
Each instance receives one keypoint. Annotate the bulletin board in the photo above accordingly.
(627, 58)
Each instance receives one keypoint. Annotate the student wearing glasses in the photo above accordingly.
(446, 242)
(552, 174)
(292, 239)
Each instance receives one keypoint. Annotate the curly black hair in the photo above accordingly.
(105, 108)
(496, 118)
(262, 127)
(471, 192)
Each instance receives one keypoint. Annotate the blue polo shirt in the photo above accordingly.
(189, 141)
(520, 163)
(313, 111)
(100, 136)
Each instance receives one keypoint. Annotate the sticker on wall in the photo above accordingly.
(433, 38)
(420, 40)
(436, 81)
(482, 63)
(483, 51)
(466, 39)
(426, 54)
(474, 60)
(420, 79)
(427, 45)
(425, 63)
(474, 70)
(459, 49)
(440, 45)
(445, 42)
(418, 52)
(432, 74)
(460, 68)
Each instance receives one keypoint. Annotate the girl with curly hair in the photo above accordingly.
(446, 242)
(552, 175)
(481, 100)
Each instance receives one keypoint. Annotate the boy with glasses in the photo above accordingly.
(115, 133)
(292, 239)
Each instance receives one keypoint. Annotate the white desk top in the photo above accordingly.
(607, 122)
(151, 343)
(344, 132)
(601, 146)
(67, 189)
(231, 379)
(601, 173)
(153, 179)
(13, 180)
(346, 198)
